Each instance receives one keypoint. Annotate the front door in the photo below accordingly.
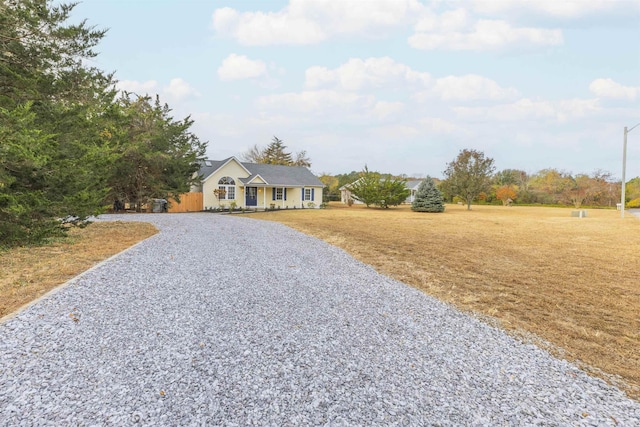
(251, 196)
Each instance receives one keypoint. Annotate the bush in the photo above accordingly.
(634, 204)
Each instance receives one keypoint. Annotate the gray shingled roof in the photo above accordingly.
(208, 167)
(275, 175)
(413, 184)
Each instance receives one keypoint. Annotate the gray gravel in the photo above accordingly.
(224, 320)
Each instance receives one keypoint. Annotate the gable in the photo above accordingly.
(257, 179)
(215, 169)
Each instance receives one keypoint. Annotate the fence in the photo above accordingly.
(189, 202)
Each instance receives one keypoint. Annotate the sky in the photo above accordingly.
(400, 86)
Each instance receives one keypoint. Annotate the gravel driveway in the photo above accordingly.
(225, 320)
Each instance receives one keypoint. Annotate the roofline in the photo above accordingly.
(223, 165)
(284, 185)
(257, 176)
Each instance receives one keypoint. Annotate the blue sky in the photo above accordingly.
(399, 85)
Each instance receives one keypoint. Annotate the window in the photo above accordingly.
(308, 195)
(278, 195)
(226, 188)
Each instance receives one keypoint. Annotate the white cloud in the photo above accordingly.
(395, 132)
(238, 67)
(140, 88)
(471, 87)
(437, 125)
(607, 88)
(313, 21)
(450, 21)
(178, 89)
(526, 110)
(320, 101)
(556, 8)
(357, 74)
(486, 35)
(384, 109)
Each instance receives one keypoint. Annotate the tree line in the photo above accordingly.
(70, 143)
(471, 177)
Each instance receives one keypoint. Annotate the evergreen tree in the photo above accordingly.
(275, 154)
(366, 188)
(156, 156)
(428, 197)
(372, 188)
(52, 161)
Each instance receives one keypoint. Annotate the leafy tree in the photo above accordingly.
(428, 197)
(507, 177)
(347, 178)
(506, 193)
(330, 191)
(302, 159)
(551, 186)
(392, 191)
(602, 188)
(157, 156)
(632, 189)
(253, 155)
(275, 154)
(365, 188)
(517, 180)
(372, 188)
(468, 175)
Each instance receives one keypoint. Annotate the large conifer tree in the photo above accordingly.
(52, 161)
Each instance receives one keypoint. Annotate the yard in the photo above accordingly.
(537, 272)
(30, 272)
(568, 284)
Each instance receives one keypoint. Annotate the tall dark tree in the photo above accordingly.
(52, 159)
(468, 175)
(157, 156)
(275, 154)
(428, 197)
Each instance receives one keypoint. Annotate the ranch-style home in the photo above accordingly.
(411, 184)
(257, 186)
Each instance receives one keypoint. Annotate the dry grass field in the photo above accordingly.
(30, 272)
(537, 272)
(572, 282)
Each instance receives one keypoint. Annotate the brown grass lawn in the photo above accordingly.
(538, 272)
(574, 282)
(30, 272)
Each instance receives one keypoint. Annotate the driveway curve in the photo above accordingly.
(224, 320)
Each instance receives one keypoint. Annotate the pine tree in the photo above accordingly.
(428, 197)
(275, 154)
(52, 161)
